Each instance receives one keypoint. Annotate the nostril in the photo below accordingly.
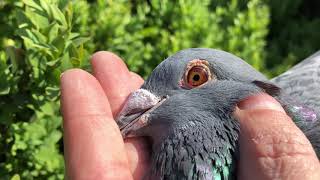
(165, 97)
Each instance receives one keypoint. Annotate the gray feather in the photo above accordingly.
(303, 81)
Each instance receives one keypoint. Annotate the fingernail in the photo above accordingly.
(260, 101)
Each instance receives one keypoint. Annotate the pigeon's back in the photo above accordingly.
(303, 81)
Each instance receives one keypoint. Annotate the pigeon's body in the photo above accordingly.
(303, 81)
(185, 107)
(301, 97)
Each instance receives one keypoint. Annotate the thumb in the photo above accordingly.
(271, 145)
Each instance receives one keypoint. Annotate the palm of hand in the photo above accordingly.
(94, 148)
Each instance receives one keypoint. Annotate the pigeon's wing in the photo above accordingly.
(303, 81)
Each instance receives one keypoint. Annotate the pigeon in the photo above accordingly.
(185, 108)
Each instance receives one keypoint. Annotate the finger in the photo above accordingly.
(137, 80)
(93, 144)
(118, 83)
(271, 145)
(115, 78)
(138, 153)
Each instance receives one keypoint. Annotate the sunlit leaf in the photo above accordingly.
(32, 4)
(58, 15)
(15, 177)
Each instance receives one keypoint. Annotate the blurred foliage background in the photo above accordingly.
(39, 39)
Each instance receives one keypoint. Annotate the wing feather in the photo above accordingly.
(303, 81)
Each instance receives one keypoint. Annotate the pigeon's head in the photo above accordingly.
(194, 88)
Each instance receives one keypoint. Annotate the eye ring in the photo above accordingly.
(196, 74)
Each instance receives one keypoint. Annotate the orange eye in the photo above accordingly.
(196, 76)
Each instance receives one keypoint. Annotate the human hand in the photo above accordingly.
(94, 148)
(271, 145)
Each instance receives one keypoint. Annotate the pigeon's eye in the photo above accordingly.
(197, 75)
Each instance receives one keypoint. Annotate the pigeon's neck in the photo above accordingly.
(195, 155)
(300, 113)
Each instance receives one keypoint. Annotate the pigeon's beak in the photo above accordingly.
(136, 110)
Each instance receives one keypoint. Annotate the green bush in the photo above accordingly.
(146, 32)
(39, 39)
(294, 33)
(42, 45)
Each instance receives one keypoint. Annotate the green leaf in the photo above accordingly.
(46, 7)
(58, 15)
(65, 62)
(52, 31)
(54, 62)
(48, 108)
(13, 58)
(32, 4)
(28, 34)
(75, 62)
(59, 42)
(63, 4)
(15, 177)
(81, 55)
(37, 19)
(73, 35)
(4, 89)
(80, 40)
(52, 93)
(40, 37)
